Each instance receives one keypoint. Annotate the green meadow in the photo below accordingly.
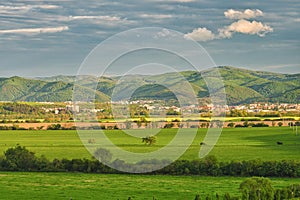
(233, 144)
(24, 185)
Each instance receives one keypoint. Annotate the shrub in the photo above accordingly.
(257, 188)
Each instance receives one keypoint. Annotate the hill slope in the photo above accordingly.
(241, 85)
(21, 89)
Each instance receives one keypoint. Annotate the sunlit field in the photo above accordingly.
(234, 143)
(23, 185)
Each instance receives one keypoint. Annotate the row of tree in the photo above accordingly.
(20, 159)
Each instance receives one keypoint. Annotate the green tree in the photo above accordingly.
(54, 127)
(149, 140)
(103, 155)
(257, 189)
(20, 159)
(231, 124)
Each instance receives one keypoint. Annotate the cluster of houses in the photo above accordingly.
(161, 106)
(267, 107)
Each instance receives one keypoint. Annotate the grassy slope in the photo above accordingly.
(234, 144)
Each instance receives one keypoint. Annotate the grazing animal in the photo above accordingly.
(280, 143)
(202, 143)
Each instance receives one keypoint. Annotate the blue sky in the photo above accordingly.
(45, 38)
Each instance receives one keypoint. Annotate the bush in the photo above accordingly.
(103, 155)
(169, 125)
(257, 188)
(231, 125)
(54, 127)
(20, 159)
(260, 125)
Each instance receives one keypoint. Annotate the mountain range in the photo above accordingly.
(241, 86)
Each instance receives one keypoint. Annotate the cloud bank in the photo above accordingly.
(106, 18)
(34, 31)
(200, 34)
(245, 27)
(242, 26)
(247, 14)
(25, 8)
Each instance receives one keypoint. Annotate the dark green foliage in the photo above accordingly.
(292, 191)
(227, 196)
(231, 124)
(149, 140)
(103, 155)
(54, 127)
(169, 125)
(260, 125)
(256, 189)
(280, 124)
(208, 197)
(20, 159)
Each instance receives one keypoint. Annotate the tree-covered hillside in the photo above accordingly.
(241, 85)
(21, 89)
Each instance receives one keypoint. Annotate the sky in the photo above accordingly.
(47, 38)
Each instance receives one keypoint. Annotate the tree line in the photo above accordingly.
(19, 158)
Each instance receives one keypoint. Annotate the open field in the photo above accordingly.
(234, 143)
(17, 185)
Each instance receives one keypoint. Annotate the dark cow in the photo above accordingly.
(280, 143)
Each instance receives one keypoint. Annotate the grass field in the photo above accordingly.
(234, 143)
(14, 185)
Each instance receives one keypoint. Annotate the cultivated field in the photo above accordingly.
(234, 143)
(74, 186)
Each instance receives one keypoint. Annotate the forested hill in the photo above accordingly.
(242, 86)
(21, 89)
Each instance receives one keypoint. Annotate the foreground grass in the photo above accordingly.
(234, 143)
(20, 185)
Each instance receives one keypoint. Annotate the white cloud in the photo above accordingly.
(165, 33)
(106, 18)
(245, 27)
(246, 14)
(200, 34)
(25, 8)
(34, 31)
(241, 26)
(156, 16)
(103, 20)
(183, 1)
(178, 1)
